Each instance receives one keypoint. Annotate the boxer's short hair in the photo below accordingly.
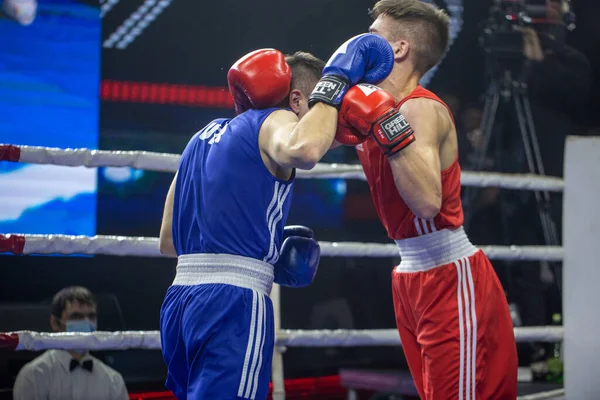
(77, 294)
(424, 25)
(306, 71)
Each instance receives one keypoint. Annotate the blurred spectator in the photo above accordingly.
(70, 375)
(558, 79)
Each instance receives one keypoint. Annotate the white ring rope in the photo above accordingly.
(148, 247)
(389, 337)
(124, 340)
(551, 394)
(121, 340)
(161, 162)
(164, 162)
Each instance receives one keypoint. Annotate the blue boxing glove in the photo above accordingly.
(364, 58)
(298, 258)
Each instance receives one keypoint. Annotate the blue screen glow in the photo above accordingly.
(49, 83)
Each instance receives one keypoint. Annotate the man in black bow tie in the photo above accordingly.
(88, 365)
(70, 375)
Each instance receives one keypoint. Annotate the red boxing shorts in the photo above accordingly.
(453, 319)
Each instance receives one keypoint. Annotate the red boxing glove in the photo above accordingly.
(347, 135)
(372, 111)
(260, 79)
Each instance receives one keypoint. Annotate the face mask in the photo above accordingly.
(80, 325)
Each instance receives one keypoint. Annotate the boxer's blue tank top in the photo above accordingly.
(226, 201)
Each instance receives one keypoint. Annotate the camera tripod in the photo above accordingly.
(503, 93)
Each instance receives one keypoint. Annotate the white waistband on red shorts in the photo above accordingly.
(245, 272)
(438, 248)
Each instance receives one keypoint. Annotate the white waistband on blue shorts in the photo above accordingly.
(245, 272)
(438, 248)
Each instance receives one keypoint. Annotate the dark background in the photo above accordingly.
(194, 43)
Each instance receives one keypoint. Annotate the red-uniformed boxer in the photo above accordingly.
(451, 310)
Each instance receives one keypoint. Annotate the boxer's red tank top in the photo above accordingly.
(398, 220)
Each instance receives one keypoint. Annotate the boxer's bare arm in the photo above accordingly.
(417, 169)
(298, 143)
(165, 241)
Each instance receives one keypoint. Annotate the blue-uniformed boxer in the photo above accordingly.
(226, 210)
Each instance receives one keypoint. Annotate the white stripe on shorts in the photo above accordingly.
(474, 325)
(461, 328)
(251, 342)
(258, 339)
(467, 328)
(260, 354)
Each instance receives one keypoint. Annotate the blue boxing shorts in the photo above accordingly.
(216, 326)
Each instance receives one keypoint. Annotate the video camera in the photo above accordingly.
(503, 42)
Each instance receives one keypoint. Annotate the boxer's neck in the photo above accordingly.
(401, 82)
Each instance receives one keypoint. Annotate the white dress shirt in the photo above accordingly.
(48, 377)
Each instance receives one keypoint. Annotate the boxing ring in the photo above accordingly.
(580, 277)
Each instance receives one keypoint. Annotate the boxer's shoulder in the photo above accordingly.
(276, 120)
(283, 115)
(427, 115)
(423, 107)
(272, 140)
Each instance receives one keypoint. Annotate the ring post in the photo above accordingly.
(581, 276)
